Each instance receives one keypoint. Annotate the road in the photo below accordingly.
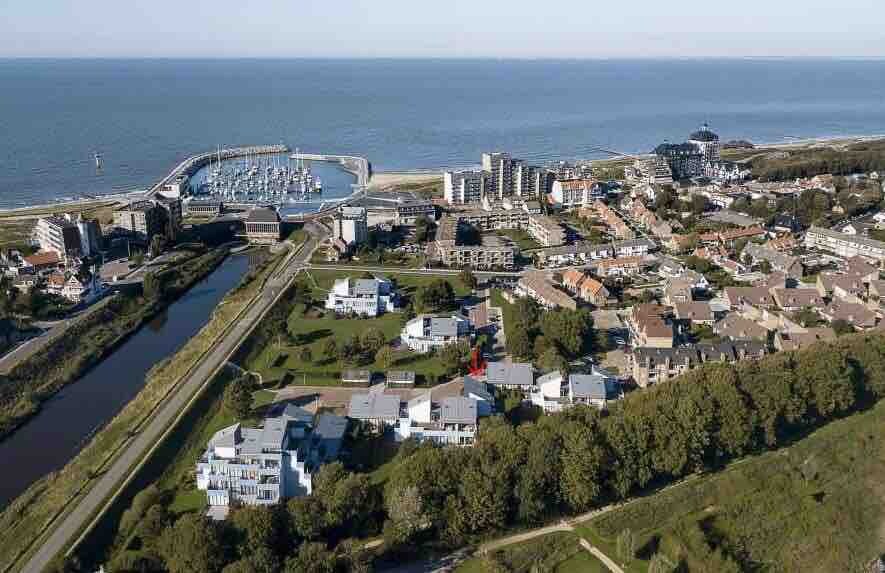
(67, 532)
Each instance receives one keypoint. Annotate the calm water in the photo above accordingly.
(145, 115)
(58, 432)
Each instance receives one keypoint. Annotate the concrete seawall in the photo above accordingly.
(359, 166)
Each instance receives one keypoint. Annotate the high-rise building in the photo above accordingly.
(706, 142)
(465, 187)
(690, 159)
(141, 219)
(58, 234)
(351, 225)
(90, 236)
(501, 177)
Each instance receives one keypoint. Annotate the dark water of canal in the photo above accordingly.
(55, 435)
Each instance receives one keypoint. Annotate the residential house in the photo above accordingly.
(42, 261)
(736, 327)
(572, 279)
(669, 268)
(855, 314)
(555, 393)
(365, 297)
(427, 332)
(793, 299)
(594, 292)
(578, 253)
(377, 409)
(511, 376)
(850, 288)
(697, 312)
(794, 340)
(620, 267)
(752, 296)
(677, 291)
(537, 287)
(790, 266)
(648, 326)
(655, 365)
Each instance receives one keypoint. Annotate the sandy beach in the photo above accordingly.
(386, 180)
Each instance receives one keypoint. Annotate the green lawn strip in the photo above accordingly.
(816, 505)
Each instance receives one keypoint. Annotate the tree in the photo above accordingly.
(303, 513)
(626, 546)
(468, 278)
(238, 397)
(519, 343)
(260, 527)
(765, 267)
(372, 340)
(698, 204)
(152, 287)
(312, 557)
(436, 296)
(842, 327)
(330, 349)
(384, 357)
(192, 545)
(305, 355)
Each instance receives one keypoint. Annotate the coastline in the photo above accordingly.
(382, 181)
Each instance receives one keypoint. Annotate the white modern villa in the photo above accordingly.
(555, 393)
(365, 297)
(426, 332)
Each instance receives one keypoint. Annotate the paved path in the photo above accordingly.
(612, 566)
(66, 533)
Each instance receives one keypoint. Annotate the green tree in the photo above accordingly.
(192, 545)
(312, 557)
(259, 527)
(842, 327)
(372, 340)
(519, 343)
(384, 357)
(238, 397)
(436, 296)
(305, 356)
(304, 514)
(660, 564)
(468, 278)
(330, 349)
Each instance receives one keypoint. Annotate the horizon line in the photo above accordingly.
(451, 58)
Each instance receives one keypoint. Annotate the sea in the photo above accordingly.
(144, 116)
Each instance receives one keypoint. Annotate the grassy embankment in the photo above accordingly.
(68, 357)
(556, 553)
(817, 505)
(16, 226)
(279, 359)
(26, 519)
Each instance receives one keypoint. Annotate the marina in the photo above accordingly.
(291, 183)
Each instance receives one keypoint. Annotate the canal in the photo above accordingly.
(67, 421)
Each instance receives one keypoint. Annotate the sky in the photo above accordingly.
(442, 28)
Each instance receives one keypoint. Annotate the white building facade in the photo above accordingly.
(365, 297)
(425, 332)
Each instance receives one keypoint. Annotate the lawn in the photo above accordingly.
(520, 238)
(315, 326)
(815, 506)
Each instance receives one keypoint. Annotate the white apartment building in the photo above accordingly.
(465, 187)
(366, 297)
(575, 192)
(427, 332)
(351, 225)
(262, 466)
(59, 235)
(546, 230)
(844, 245)
(554, 393)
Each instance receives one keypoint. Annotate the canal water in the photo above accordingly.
(67, 421)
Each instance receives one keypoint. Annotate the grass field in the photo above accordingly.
(815, 506)
(314, 327)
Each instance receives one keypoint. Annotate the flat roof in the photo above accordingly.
(373, 406)
(458, 410)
